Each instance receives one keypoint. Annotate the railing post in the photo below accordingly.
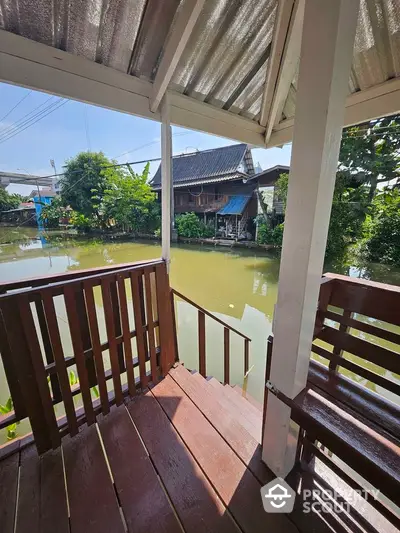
(246, 355)
(226, 356)
(167, 344)
(202, 342)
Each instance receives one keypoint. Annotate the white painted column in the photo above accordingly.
(166, 180)
(325, 61)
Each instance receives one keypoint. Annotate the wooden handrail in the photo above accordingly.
(202, 338)
(225, 324)
(70, 275)
(32, 350)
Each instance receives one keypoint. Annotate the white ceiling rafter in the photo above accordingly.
(278, 91)
(281, 29)
(178, 38)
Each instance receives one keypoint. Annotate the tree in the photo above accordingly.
(84, 182)
(128, 199)
(382, 228)
(53, 212)
(9, 201)
(369, 154)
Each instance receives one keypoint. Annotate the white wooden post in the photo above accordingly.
(166, 181)
(325, 61)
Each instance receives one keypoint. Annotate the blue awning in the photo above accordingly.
(235, 206)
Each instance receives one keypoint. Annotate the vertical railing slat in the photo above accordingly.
(226, 356)
(202, 342)
(70, 293)
(57, 351)
(109, 319)
(140, 332)
(33, 346)
(96, 345)
(117, 323)
(126, 335)
(150, 327)
(333, 366)
(85, 335)
(47, 345)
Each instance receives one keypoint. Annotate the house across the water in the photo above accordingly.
(214, 185)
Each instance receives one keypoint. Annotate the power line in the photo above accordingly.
(150, 143)
(15, 107)
(38, 119)
(8, 129)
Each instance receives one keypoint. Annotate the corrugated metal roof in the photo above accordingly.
(235, 206)
(205, 165)
(226, 59)
(376, 50)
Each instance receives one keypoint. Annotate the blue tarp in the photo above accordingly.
(235, 205)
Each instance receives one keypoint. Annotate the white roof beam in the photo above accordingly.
(379, 101)
(178, 38)
(281, 29)
(288, 63)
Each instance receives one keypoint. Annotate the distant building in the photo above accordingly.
(220, 186)
(41, 198)
(212, 184)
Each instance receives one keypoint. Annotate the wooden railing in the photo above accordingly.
(350, 408)
(201, 332)
(33, 353)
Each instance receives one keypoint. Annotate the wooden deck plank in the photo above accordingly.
(143, 500)
(8, 492)
(92, 500)
(235, 484)
(53, 498)
(225, 422)
(28, 512)
(244, 405)
(194, 499)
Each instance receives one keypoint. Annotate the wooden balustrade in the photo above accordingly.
(33, 353)
(201, 334)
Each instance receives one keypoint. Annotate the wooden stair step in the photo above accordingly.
(242, 402)
(248, 420)
(250, 399)
(194, 499)
(224, 421)
(144, 504)
(232, 480)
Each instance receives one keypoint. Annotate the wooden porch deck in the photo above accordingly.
(175, 458)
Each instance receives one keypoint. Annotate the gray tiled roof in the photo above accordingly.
(204, 165)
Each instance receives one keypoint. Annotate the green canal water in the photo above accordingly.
(238, 286)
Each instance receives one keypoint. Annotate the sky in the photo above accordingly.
(72, 127)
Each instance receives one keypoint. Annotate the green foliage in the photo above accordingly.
(129, 201)
(266, 234)
(9, 201)
(12, 428)
(81, 222)
(281, 188)
(52, 213)
(84, 182)
(73, 380)
(382, 228)
(189, 225)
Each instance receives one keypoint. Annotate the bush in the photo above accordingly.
(382, 229)
(81, 222)
(189, 225)
(268, 235)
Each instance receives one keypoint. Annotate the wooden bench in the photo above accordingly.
(351, 404)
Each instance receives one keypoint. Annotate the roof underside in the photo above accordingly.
(226, 59)
(208, 165)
